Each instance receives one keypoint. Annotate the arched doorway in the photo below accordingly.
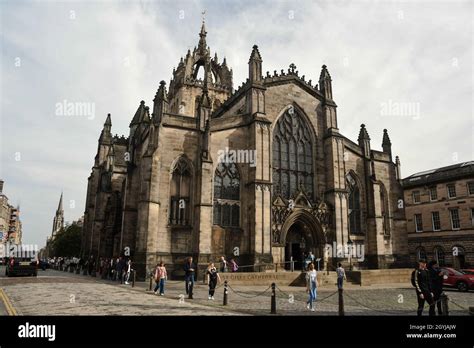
(302, 234)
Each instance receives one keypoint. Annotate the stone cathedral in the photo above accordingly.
(289, 183)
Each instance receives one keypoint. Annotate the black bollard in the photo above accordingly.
(151, 280)
(133, 279)
(341, 302)
(273, 305)
(444, 304)
(225, 293)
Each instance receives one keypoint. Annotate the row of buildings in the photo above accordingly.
(260, 172)
(10, 223)
(440, 214)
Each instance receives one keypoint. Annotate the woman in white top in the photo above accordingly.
(128, 270)
(311, 285)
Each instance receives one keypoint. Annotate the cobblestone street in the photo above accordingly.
(64, 293)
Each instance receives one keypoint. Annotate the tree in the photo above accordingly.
(67, 242)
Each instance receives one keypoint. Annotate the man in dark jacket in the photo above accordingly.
(423, 288)
(189, 272)
(120, 267)
(436, 279)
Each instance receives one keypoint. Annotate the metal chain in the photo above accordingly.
(317, 300)
(377, 310)
(252, 296)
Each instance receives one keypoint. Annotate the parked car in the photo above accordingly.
(458, 280)
(21, 266)
(468, 271)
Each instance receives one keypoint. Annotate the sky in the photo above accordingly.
(404, 66)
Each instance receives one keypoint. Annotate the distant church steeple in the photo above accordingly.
(58, 222)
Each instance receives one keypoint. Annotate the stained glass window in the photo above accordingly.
(180, 194)
(292, 156)
(354, 206)
(227, 195)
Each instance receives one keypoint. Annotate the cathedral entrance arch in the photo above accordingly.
(301, 234)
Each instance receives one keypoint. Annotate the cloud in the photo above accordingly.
(113, 54)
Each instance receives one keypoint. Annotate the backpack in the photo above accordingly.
(413, 275)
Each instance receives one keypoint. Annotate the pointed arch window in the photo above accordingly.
(420, 253)
(227, 195)
(354, 206)
(292, 156)
(384, 211)
(181, 185)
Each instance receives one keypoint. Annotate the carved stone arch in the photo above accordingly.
(303, 230)
(296, 107)
(185, 158)
(310, 220)
(356, 178)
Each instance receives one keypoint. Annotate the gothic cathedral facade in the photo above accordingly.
(260, 173)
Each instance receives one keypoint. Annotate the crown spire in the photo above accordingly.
(202, 35)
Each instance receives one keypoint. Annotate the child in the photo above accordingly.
(160, 278)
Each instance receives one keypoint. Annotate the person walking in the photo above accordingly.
(128, 270)
(212, 279)
(189, 272)
(120, 267)
(421, 281)
(160, 278)
(233, 265)
(341, 275)
(223, 267)
(436, 280)
(311, 286)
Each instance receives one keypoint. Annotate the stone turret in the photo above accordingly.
(255, 96)
(255, 66)
(325, 83)
(386, 144)
(106, 135)
(160, 103)
(364, 141)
